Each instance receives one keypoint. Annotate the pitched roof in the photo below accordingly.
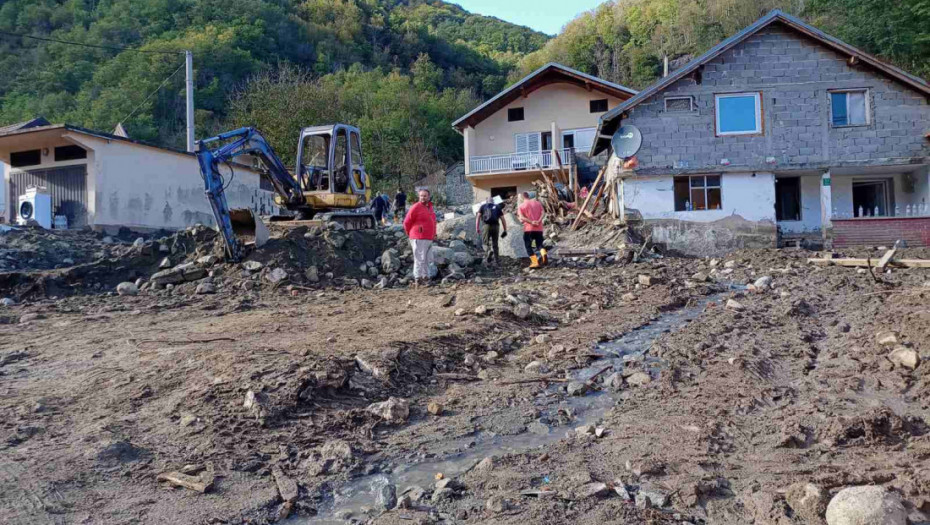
(5, 132)
(608, 121)
(547, 74)
(38, 121)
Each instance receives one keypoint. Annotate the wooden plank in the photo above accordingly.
(887, 258)
(588, 198)
(899, 263)
(188, 482)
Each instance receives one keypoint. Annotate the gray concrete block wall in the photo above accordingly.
(794, 75)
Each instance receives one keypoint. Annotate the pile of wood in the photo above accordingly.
(887, 260)
(546, 192)
(607, 190)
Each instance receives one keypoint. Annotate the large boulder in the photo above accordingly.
(866, 505)
(390, 261)
(512, 245)
(460, 227)
(442, 256)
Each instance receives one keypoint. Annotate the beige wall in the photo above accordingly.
(484, 184)
(562, 103)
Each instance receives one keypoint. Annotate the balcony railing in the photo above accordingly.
(520, 161)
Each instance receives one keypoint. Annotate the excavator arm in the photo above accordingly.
(243, 141)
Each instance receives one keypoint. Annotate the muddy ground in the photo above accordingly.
(99, 395)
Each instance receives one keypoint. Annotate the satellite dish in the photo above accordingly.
(626, 141)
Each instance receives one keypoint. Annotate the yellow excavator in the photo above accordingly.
(330, 182)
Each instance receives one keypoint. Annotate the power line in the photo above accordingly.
(152, 94)
(112, 48)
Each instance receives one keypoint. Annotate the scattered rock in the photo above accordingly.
(165, 264)
(205, 288)
(536, 367)
(434, 408)
(763, 282)
(496, 504)
(591, 490)
(577, 388)
(366, 284)
(394, 410)
(628, 297)
(312, 274)
(6, 301)
(905, 357)
(542, 339)
(481, 310)
(252, 266)
(808, 501)
(651, 498)
(490, 357)
(256, 403)
(886, 338)
(485, 465)
(387, 496)
(639, 379)
(522, 310)
(866, 505)
(644, 280)
(276, 276)
(127, 288)
(732, 304)
(585, 430)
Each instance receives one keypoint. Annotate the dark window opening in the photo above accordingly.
(546, 141)
(514, 114)
(698, 193)
(505, 192)
(568, 141)
(871, 199)
(63, 153)
(18, 159)
(788, 199)
(598, 106)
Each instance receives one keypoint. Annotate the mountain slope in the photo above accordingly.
(232, 40)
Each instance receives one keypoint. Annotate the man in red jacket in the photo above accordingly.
(420, 225)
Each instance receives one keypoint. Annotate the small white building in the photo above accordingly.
(107, 181)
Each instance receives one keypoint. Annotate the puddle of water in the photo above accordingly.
(361, 493)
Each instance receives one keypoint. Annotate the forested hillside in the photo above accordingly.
(232, 40)
(626, 40)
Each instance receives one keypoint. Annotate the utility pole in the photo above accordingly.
(189, 63)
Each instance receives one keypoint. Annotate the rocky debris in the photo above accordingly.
(434, 408)
(536, 367)
(485, 465)
(866, 505)
(542, 339)
(595, 489)
(333, 457)
(390, 261)
(904, 357)
(252, 266)
(6, 301)
(886, 338)
(257, 404)
(202, 483)
(180, 273)
(577, 388)
(312, 274)
(387, 496)
(127, 288)
(496, 504)
(287, 487)
(733, 304)
(647, 499)
(585, 430)
(808, 501)
(394, 410)
(763, 282)
(205, 289)
(639, 379)
(522, 311)
(481, 310)
(620, 490)
(644, 280)
(165, 264)
(628, 297)
(276, 276)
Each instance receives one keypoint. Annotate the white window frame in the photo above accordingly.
(868, 106)
(690, 100)
(719, 186)
(758, 101)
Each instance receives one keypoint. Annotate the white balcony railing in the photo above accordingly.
(520, 161)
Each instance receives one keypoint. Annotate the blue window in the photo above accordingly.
(739, 114)
(849, 108)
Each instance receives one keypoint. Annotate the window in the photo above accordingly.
(580, 139)
(514, 114)
(849, 108)
(700, 192)
(678, 104)
(598, 106)
(739, 114)
(872, 198)
(788, 199)
(32, 157)
(69, 153)
(527, 142)
(356, 150)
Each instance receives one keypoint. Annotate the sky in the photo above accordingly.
(547, 16)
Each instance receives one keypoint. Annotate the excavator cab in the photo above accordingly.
(330, 169)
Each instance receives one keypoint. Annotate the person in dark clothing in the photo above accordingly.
(491, 217)
(400, 205)
(377, 207)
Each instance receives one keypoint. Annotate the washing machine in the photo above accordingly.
(35, 205)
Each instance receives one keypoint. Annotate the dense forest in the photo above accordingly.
(401, 70)
(626, 40)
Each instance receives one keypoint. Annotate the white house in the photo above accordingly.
(106, 181)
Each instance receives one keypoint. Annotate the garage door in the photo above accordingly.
(67, 186)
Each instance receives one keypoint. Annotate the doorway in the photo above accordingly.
(788, 199)
(505, 192)
(873, 197)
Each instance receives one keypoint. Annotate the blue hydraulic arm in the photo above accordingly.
(243, 141)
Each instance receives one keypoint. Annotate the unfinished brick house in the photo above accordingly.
(780, 132)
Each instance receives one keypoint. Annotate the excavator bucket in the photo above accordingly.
(248, 227)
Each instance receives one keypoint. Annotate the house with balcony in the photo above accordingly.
(779, 133)
(544, 123)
